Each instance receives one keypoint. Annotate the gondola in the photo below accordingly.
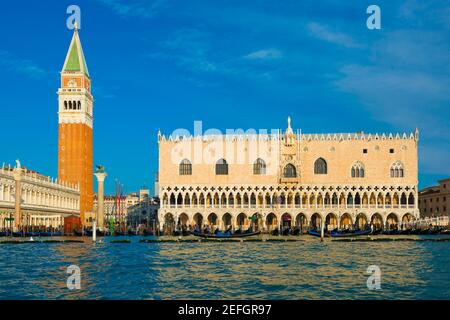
(50, 234)
(275, 232)
(338, 234)
(78, 233)
(148, 233)
(119, 233)
(376, 231)
(424, 231)
(32, 234)
(435, 230)
(391, 232)
(226, 235)
(132, 232)
(98, 233)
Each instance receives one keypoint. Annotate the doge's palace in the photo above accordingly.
(288, 179)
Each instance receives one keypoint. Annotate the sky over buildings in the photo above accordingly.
(231, 64)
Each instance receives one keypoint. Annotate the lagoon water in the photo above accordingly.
(248, 270)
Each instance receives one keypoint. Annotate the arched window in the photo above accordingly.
(222, 167)
(70, 105)
(79, 105)
(358, 170)
(259, 167)
(65, 105)
(397, 170)
(185, 168)
(320, 166)
(290, 171)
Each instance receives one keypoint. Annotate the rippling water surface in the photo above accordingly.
(248, 270)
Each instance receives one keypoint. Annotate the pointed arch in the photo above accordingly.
(357, 170)
(227, 220)
(259, 167)
(241, 220)
(221, 167)
(320, 166)
(271, 221)
(198, 219)
(361, 221)
(212, 219)
(185, 168)
(397, 170)
(289, 171)
(346, 220)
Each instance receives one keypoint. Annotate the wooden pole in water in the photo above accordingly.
(94, 231)
(322, 231)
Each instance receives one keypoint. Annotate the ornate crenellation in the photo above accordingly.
(298, 137)
(44, 201)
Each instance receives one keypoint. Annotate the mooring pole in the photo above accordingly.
(94, 231)
(322, 231)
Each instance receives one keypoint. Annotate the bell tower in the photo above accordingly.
(75, 124)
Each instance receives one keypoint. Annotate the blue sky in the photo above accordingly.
(231, 64)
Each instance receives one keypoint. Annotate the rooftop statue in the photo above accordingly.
(99, 169)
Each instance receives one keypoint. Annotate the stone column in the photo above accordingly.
(18, 195)
(100, 218)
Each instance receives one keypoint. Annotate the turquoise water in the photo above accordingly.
(252, 270)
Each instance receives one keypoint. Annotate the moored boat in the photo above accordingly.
(148, 232)
(376, 231)
(98, 233)
(343, 233)
(226, 234)
(32, 234)
(78, 233)
(391, 232)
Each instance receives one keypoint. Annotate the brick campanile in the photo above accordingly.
(75, 114)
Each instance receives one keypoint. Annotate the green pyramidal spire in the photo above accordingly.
(75, 61)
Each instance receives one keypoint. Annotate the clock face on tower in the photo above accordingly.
(71, 82)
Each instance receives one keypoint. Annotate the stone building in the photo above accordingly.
(43, 201)
(435, 201)
(144, 213)
(287, 179)
(115, 208)
(118, 208)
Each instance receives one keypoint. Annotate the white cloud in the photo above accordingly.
(267, 54)
(324, 33)
(24, 66)
(142, 8)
